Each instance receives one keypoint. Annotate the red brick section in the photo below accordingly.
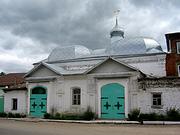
(172, 58)
(12, 79)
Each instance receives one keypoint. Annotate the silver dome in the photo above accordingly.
(134, 46)
(68, 52)
(152, 46)
(124, 46)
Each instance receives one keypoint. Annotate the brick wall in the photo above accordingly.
(172, 58)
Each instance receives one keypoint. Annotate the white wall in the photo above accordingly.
(69, 83)
(59, 93)
(151, 65)
(21, 95)
(170, 99)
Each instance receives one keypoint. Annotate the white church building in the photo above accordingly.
(128, 74)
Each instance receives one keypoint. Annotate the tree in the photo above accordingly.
(2, 73)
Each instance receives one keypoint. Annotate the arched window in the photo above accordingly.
(76, 96)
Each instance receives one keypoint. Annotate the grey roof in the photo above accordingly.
(124, 46)
(67, 68)
(128, 46)
(69, 52)
(76, 68)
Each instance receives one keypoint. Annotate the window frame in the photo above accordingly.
(178, 46)
(178, 70)
(14, 104)
(75, 97)
(170, 47)
(156, 106)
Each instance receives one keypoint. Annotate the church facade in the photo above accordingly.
(110, 87)
(129, 74)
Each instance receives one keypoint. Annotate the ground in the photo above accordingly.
(11, 127)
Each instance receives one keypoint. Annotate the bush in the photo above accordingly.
(161, 117)
(173, 114)
(47, 115)
(17, 115)
(10, 115)
(23, 115)
(58, 116)
(151, 117)
(88, 115)
(137, 116)
(72, 117)
(3, 114)
(134, 115)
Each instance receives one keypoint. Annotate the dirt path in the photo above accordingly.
(10, 127)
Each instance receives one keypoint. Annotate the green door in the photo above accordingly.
(38, 102)
(1, 104)
(112, 101)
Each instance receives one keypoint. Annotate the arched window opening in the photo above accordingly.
(39, 90)
(76, 96)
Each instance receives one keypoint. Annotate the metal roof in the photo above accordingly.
(124, 46)
(68, 52)
(128, 46)
(75, 68)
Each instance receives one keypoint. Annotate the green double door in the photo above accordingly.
(112, 101)
(38, 102)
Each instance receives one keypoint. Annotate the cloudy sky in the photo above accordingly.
(30, 29)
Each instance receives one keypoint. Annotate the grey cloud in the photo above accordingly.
(11, 66)
(155, 3)
(55, 22)
(52, 23)
(9, 45)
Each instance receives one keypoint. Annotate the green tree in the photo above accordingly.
(2, 73)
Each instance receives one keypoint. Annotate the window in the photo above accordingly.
(76, 96)
(14, 103)
(178, 70)
(156, 100)
(178, 47)
(170, 49)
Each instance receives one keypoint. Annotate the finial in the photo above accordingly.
(116, 13)
(116, 32)
(116, 21)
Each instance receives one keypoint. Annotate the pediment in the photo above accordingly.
(41, 70)
(111, 66)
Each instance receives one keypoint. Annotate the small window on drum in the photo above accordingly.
(38, 90)
(76, 96)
